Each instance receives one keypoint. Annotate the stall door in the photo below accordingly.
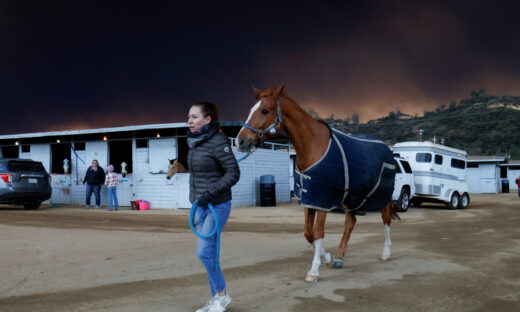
(42, 153)
(97, 150)
(61, 189)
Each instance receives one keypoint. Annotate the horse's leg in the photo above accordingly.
(318, 235)
(350, 221)
(386, 215)
(310, 214)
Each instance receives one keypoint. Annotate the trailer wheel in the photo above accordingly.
(454, 201)
(464, 201)
(404, 201)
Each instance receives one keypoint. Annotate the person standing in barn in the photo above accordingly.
(213, 171)
(111, 182)
(95, 178)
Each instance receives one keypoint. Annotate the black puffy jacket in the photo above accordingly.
(213, 168)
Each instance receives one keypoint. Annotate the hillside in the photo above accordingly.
(481, 125)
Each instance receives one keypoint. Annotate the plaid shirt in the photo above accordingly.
(111, 179)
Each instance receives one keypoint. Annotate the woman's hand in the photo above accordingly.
(204, 199)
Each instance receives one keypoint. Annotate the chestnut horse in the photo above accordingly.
(275, 112)
(175, 167)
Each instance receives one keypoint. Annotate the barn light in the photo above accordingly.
(158, 135)
(58, 141)
(16, 143)
(104, 138)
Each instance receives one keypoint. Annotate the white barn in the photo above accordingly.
(145, 149)
(487, 174)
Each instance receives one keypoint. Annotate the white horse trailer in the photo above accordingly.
(439, 173)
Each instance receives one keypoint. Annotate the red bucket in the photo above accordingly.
(143, 204)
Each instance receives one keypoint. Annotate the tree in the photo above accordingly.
(355, 118)
(453, 104)
(313, 113)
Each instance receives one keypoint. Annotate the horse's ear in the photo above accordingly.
(280, 89)
(257, 92)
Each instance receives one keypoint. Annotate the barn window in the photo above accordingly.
(159, 152)
(119, 152)
(26, 148)
(10, 151)
(79, 146)
(423, 157)
(141, 143)
(60, 152)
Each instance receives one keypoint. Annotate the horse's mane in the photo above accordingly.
(183, 162)
(328, 127)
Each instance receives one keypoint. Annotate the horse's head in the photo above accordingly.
(174, 167)
(264, 119)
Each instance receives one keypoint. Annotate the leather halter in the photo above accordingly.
(274, 128)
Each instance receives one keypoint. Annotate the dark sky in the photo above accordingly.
(81, 64)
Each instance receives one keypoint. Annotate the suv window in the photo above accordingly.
(438, 159)
(423, 157)
(26, 166)
(397, 168)
(406, 166)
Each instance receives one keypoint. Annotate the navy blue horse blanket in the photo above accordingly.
(356, 170)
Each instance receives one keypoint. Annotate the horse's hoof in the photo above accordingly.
(311, 279)
(386, 258)
(337, 264)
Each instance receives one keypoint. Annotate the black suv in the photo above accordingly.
(23, 182)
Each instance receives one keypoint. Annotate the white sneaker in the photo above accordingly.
(219, 303)
(206, 307)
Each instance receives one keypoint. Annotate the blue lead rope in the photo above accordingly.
(216, 230)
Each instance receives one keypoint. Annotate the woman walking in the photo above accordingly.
(111, 182)
(213, 171)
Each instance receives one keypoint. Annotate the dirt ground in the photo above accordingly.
(69, 259)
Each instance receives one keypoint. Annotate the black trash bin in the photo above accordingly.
(505, 186)
(267, 191)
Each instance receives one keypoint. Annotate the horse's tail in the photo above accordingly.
(393, 213)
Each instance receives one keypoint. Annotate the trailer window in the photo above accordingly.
(438, 159)
(458, 163)
(406, 166)
(423, 157)
(472, 165)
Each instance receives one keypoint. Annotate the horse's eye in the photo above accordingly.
(264, 111)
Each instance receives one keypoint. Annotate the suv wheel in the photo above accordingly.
(454, 201)
(464, 201)
(33, 205)
(404, 201)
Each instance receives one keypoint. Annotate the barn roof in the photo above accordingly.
(108, 130)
